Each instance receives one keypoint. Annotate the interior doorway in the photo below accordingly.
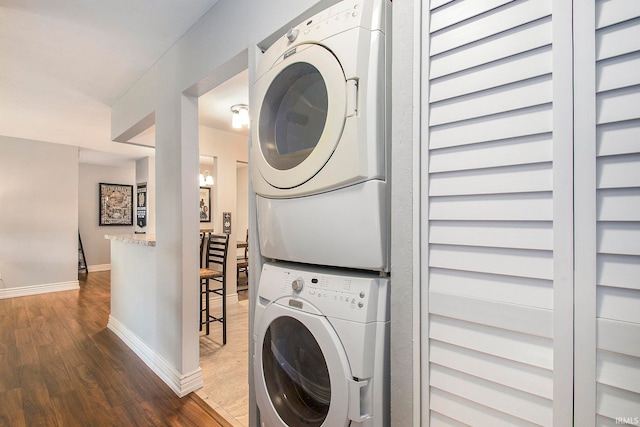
(225, 149)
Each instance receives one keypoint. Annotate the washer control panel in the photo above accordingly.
(342, 17)
(330, 292)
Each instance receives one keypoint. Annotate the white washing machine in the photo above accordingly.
(320, 149)
(321, 347)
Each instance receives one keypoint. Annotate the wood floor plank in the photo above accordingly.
(54, 370)
(69, 411)
(92, 399)
(19, 313)
(38, 410)
(11, 412)
(27, 352)
(8, 355)
(8, 378)
(41, 327)
(5, 307)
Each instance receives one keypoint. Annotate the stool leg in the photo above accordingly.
(224, 311)
(201, 287)
(206, 310)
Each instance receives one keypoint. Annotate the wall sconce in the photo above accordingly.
(240, 116)
(206, 179)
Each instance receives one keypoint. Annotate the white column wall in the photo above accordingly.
(177, 226)
(405, 197)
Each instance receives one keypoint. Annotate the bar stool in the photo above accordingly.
(215, 271)
(242, 266)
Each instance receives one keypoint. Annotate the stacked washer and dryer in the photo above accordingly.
(320, 169)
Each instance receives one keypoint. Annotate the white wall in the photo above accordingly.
(38, 215)
(133, 293)
(96, 248)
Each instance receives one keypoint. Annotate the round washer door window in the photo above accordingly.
(295, 373)
(302, 108)
(301, 370)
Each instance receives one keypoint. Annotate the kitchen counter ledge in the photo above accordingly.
(137, 239)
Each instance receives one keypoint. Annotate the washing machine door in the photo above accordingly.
(302, 375)
(302, 107)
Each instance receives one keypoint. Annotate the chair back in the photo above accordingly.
(246, 248)
(203, 239)
(217, 248)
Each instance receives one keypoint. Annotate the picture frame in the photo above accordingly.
(115, 204)
(141, 208)
(205, 204)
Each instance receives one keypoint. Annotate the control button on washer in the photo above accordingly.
(297, 284)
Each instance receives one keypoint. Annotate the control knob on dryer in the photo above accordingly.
(297, 284)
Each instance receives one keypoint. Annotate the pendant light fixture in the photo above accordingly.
(206, 179)
(240, 116)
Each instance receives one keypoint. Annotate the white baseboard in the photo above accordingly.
(179, 383)
(98, 267)
(231, 299)
(39, 289)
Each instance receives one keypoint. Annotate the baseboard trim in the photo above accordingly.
(231, 299)
(24, 291)
(179, 383)
(98, 267)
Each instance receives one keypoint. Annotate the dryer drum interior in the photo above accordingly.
(293, 115)
(295, 373)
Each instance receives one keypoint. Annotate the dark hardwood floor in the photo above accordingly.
(61, 366)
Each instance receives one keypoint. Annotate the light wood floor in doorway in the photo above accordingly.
(225, 368)
(61, 366)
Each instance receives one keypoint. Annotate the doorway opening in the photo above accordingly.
(224, 157)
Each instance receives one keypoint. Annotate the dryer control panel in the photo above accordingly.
(355, 296)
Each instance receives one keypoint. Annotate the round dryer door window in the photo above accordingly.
(302, 108)
(293, 115)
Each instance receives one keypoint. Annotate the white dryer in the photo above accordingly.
(321, 347)
(319, 152)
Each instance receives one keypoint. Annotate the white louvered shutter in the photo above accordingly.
(497, 156)
(608, 214)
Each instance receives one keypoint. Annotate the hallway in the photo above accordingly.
(61, 366)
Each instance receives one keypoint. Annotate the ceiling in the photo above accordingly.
(64, 63)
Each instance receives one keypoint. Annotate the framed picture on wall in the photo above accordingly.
(116, 204)
(205, 204)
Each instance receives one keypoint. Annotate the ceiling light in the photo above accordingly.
(240, 116)
(206, 179)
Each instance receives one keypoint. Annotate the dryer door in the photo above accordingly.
(302, 375)
(302, 105)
